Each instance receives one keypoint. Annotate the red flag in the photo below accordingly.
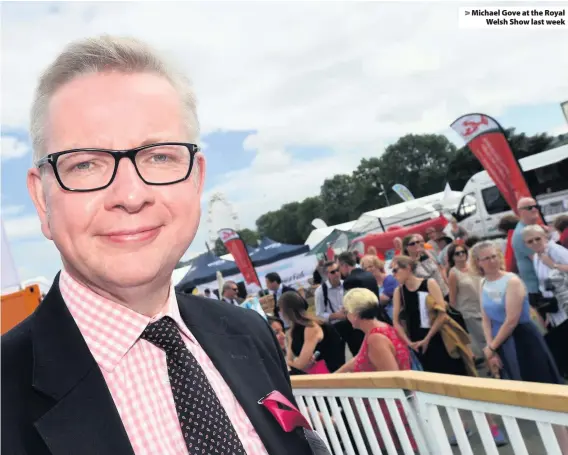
(330, 254)
(235, 245)
(486, 139)
(510, 260)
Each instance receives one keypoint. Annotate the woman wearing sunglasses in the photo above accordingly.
(428, 267)
(464, 295)
(551, 266)
(442, 345)
(426, 264)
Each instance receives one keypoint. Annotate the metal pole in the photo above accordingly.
(385, 193)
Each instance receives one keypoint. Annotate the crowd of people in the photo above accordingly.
(446, 305)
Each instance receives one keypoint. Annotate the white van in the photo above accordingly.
(546, 174)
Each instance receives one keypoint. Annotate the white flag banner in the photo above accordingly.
(10, 278)
(447, 192)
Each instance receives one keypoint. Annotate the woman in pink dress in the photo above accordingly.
(382, 350)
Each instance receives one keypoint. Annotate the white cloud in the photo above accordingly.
(23, 227)
(12, 148)
(342, 75)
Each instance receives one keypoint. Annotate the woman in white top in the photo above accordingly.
(551, 266)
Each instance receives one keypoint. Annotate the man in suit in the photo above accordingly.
(104, 363)
(275, 286)
(354, 277)
(230, 291)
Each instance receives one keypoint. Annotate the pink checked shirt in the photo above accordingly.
(137, 375)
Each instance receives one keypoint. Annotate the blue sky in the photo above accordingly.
(284, 103)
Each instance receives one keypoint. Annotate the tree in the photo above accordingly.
(249, 236)
(423, 163)
(464, 163)
(292, 223)
(418, 162)
(339, 198)
(369, 177)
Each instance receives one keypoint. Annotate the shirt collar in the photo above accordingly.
(329, 285)
(278, 291)
(111, 329)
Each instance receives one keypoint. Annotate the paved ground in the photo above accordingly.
(528, 430)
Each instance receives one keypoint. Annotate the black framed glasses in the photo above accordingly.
(91, 169)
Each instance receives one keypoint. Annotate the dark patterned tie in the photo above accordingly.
(204, 423)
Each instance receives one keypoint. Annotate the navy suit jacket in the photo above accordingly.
(55, 400)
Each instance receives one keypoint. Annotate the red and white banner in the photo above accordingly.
(486, 139)
(237, 248)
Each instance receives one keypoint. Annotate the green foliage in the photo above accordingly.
(423, 163)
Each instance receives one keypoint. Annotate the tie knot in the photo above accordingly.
(164, 334)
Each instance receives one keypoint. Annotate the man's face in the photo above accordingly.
(232, 291)
(528, 211)
(272, 285)
(333, 274)
(158, 223)
(343, 269)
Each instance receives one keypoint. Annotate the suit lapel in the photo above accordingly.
(83, 418)
(240, 363)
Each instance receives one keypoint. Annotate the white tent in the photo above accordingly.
(294, 271)
(317, 235)
(409, 212)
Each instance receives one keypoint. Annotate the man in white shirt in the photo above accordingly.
(329, 296)
(329, 306)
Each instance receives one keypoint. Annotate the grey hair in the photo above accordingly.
(533, 229)
(103, 54)
(227, 285)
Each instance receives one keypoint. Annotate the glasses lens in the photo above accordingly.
(163, 163)
(88, 170)
(85, 170)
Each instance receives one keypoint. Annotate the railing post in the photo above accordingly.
(429, 416)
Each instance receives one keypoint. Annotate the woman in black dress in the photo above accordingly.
(421, 334)
(308, 335)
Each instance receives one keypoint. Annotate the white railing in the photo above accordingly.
(343, 407)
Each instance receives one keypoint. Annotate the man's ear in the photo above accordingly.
(38, 195)
(200, 166)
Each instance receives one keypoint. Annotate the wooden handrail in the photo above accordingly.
(549, 397)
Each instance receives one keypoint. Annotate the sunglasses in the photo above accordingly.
(528, 208)
(534, 240)
(416, 242)
(333, 272)
(459, 253)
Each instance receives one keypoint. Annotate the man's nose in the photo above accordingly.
(128, 191)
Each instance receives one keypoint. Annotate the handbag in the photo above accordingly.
(456, 315)
(546, 304)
